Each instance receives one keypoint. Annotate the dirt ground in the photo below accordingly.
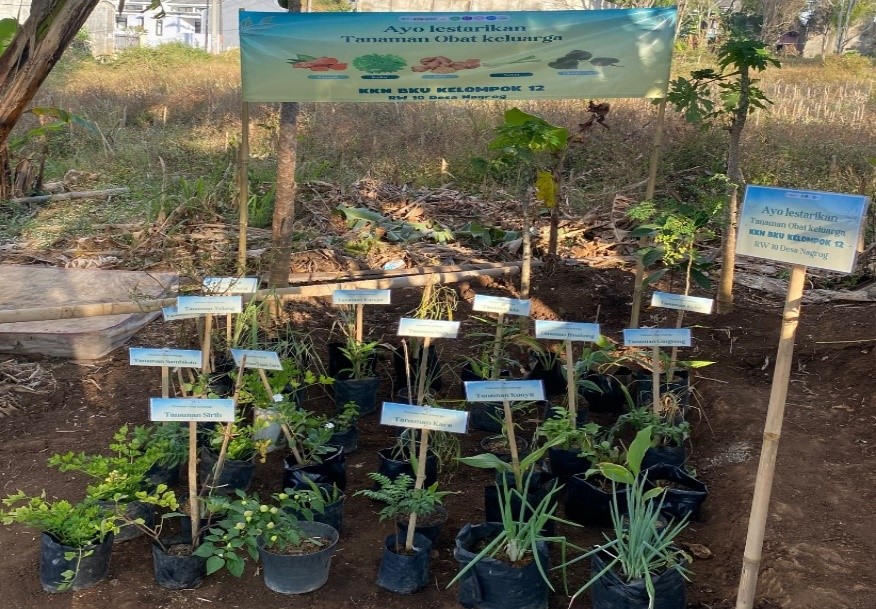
(821, 535)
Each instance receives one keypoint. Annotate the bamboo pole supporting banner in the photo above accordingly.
(650, 188)
(571, 390)
(771, 434)
(290, 293)
(243, 188)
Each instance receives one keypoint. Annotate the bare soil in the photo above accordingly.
(820, 539)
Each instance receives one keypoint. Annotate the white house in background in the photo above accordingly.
(183, 22)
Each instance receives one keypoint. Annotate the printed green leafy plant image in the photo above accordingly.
(375, 63)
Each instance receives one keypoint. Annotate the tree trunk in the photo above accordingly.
(734, 173)
(29, 58)
(284, 199)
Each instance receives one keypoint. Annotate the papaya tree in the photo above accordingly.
(725, 97)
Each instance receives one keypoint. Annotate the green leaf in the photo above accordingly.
(486, 461)
(636, 452)
(214, 563)
(617, 473)
(8, 29)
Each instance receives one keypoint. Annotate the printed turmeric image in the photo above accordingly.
(317, 64)
(445, 65)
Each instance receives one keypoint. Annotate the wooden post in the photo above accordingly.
(424, 438)
(512, 444)
(571, 389)
(496, 368)
(655, 378)
(165, 382)
(639, 282)
(207, 365)
(243, 188)
(194, 509)
(360, 321)
(228, 323)
(229, 426)
(771, 434)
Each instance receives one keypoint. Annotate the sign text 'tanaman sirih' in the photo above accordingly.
(381, 57)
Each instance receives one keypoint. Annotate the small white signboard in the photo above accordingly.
(499, 304)
(424, 417)
(694, 304)
(432, 328)
(171, 314)
(801, 227)
(361, 297)
(266, 360)
(566, 330)
(191, 409)
(209, 305)
(501, 391)
(657, 337)
(172, 358)
(231, 285)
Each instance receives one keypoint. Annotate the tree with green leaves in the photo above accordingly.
(725, 97)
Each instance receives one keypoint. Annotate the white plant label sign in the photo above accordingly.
(209, 305)
(171, 358)
(693, 304)
(427, 328)
(566, 330)
(361, 297)
(265, 360)
(499, 304)
(171, 314)
(801, 227)
(424, 417)
(230, 285)
(191, 409)
(502, 391)
(657, 337)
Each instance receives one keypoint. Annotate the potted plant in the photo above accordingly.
(320, 502)
(175, 564)
(602, 377)
(545, 365)
(638, 564)
(589, 494)
(116, 477)
(572, 445)
(169, 442)
(668, 434)
(312, 456)
(241, 450)
(511, 569)
(404, 567)
(357, 381)
(76, 542)
(343, 428)
(395, 460)
(295, 554)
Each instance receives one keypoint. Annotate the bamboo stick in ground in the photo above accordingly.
(771, 434)
(571, 390)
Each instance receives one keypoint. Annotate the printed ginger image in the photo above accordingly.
(445, 65)
(321, 64)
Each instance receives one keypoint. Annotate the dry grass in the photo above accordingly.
(170, 117)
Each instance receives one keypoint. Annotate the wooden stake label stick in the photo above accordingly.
(360, 314)
(512, 444)
(655, 378)
(165, 382)
(571, 390)
(771, 434)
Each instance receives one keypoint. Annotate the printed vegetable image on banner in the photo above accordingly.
(455, 56)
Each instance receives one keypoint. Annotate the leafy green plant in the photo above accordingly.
(71, 524)
(242, 445)
(121, 474)
(399, 231)
(561, 432)
(160, 497)
(522, 529)
(639, 546)
(360, 355)
(307, 434)
(494, 351)
(246, 523)
(345, 419)
(491, 461)
(402, 499)
(665, 430)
